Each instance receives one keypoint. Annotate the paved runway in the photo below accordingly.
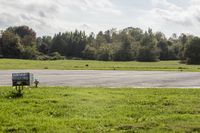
(109, 78)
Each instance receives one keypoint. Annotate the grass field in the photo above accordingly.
(65, 109)
(6, 64)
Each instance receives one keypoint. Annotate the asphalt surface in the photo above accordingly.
(109, 78)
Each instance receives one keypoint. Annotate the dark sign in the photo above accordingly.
(22, 79)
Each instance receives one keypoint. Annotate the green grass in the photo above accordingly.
(65, 109)
(7, 64)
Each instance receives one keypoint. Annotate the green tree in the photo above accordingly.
(148, 50)
(1, 54)
(18, 41)
(58, 45)
(135, 33)
(89, 53)
(78, 43)
(69, 44)
(11, 46)
(192, 51)
(26, 34)
(162, 45)
(104, 53)
(164, 50)
(44, 44)
(125, 51)
(100, 39)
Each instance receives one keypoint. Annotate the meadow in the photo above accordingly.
(8, 64)
(67, 109)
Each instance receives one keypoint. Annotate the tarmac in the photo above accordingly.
(112, 79)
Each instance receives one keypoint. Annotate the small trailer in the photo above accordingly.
(22, 79)
(19, 80)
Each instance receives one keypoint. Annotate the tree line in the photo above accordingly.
(129, 44)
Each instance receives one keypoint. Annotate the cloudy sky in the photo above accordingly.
(48, 17)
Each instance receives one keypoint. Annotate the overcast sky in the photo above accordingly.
(48, 17)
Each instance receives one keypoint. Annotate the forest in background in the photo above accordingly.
(129, 44)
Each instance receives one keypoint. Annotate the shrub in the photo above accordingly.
(15, 94)
(30, 53)
(56, 56)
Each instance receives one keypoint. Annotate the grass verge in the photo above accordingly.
(66, 109)
(8, 64)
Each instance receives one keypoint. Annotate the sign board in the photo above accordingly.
(22, 79)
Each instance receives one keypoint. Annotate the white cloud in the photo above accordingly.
(195, 2)
(51, 16)
(92, 6)
(170, 18)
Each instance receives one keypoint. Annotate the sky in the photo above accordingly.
(48, 17)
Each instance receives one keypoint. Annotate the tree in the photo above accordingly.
(125, 51)
(164, 49)
(100, 39)
(26, 34)
(104, 53)
(30, 53)
(1, 54)
(44, 44)
(79, 41)
(148, 50)
(147, 54)
(136, 33)
(120, 45)
(11, 46)
(22, 31)
(89, 53)
(191, 51)
(58, 45)
(18, 42)
(163, 46)
(108, 36)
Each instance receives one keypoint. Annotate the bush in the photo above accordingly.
(30, 53)
(56, 56)
(43, 57)
(52, 56)
(15, 94)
